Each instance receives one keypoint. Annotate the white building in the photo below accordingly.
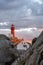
(23, 46)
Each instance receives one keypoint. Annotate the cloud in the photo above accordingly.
(22, 13)
(18, 5)
(26, 15)
(38, 1)
(23, 22)
(25, 33)
(3, 23)
(28, 33)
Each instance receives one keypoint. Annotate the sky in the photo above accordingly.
(26, 15)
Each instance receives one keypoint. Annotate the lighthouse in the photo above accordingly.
(12, 31)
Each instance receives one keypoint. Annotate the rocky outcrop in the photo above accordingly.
(2, 36)
(34, 55)
(8, 52)
(37, 52)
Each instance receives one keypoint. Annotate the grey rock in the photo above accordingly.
(37, 48)
(8, 52)
(34, 55)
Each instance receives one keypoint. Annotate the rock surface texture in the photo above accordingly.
(8, 52)
(34, 55)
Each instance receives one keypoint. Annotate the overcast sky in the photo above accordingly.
(22, 13)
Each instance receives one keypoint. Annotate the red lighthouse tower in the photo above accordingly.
(12, 31)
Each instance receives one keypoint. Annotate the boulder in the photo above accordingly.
(8, 52)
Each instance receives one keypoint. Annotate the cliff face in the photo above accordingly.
(34, 55)
(36, 58)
